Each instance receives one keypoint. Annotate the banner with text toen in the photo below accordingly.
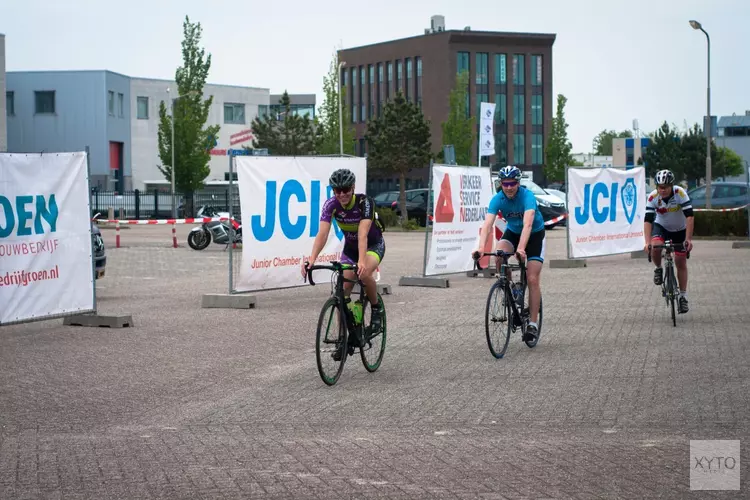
(607, 207)
(281, 198)
(46, 263)
(462, 196)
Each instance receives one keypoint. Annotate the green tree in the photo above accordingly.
(728, 163)
(190, 112)
(664, 152)
(398, 141)
(285, 135)
(458, 128)
(327, 132)
(558, 154)
(603, 141)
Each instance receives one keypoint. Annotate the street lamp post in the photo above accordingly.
(697, 26)
(341, 122)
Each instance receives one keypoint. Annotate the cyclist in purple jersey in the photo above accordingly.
(364, 245)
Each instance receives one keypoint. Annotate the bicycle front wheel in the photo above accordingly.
(374, 349)
(330, 342)
(498, 317)
(671, 292)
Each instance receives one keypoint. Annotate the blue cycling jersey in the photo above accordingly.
(512, 210)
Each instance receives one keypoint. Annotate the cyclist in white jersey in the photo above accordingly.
(669, 216)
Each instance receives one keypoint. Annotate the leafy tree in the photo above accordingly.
(190, 112)
(285, 135)
(728, 163)
(398, 141)
(458, 128)
(558, 154)
(327, 132)
(603, 141)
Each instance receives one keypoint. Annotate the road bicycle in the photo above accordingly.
(669, 289)
(345, 326)
(507, 305)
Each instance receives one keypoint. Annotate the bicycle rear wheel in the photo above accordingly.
(671, 292)
(330, 341)
(374, 349)
(497, 315)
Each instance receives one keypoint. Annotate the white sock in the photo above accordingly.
(683, 293)
(534, 324)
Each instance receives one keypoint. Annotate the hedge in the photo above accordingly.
(732, 223)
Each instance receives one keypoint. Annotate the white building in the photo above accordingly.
(233, 109)
(592, 160)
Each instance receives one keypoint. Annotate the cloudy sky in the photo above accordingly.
(615, 61)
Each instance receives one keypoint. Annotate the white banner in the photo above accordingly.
(606, 207)
(487, 129)
(281, 199)
(46, 264)
(462, 196)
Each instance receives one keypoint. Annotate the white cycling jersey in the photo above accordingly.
(669, 214)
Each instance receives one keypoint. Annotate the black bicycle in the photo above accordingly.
(345, 328)
(507, 303)
(669, 288)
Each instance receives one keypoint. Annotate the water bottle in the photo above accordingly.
(356, 310)
(517, 295)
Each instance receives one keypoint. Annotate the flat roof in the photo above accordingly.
(505, 34)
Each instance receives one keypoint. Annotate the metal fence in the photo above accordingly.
(141, 205)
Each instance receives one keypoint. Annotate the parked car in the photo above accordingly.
(559, 194)
(385, 199)
(723, 195)
(100, 253)
(550, 205)
(416, 205)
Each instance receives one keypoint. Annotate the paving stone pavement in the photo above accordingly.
(211, 403)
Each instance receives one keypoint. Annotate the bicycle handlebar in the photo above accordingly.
(333, 266)
(669, 246)
(497, 253)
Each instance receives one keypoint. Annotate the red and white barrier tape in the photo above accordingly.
(173, 222)
(556, 219)
(743, 207)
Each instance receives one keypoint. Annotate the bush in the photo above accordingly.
(387, 217)
(411, 225)
(721, 223)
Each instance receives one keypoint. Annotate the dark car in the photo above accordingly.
(416, 205)
(723, 195)
(100, 253)
(385, 199)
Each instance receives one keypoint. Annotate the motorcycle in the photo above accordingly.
(220, 232)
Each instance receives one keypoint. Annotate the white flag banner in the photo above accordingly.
(281, 198)
(487, 129)
(46, 263)
(462, 196)
(607, 207)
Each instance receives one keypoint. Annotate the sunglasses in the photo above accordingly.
(509, 184)
(342, 190)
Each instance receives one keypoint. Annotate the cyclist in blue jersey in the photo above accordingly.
(364, 245)
(524, 235)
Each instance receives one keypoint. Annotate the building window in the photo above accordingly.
(536, 110)
(120, 105)
(262, 110)
(343, 77)
(519, 110)
(536, 70)
(501, 109)
(381, 88)
(500, 71)
(399, 76)
(518, 69)
(354, 103)
(44, 102)
(482, 62)
(111, 103)
(501, 148)
(537, 153)
(10, 104)
(519, 149)
(629, 152)
(362, 91)
(234, 113)
(371, 95)
(362, 151)
(142, 108)
(389, 88)
(409, 74)
(419, 82)
(482, 97)
(462, 64)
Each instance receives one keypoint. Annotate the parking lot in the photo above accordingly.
(220, 403)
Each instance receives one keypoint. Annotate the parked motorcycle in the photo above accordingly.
(220, 232)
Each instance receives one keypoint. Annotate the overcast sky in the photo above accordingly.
(615, 61)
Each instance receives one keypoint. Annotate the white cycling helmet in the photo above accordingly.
(664, 177)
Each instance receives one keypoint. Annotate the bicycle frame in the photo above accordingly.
(669, 285)
(505, 283)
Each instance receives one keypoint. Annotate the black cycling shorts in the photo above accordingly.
(534, 248)
(350, 255)
(677, 237)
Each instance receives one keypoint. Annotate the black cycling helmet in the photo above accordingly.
(342, 178)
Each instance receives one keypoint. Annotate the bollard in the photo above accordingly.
(117, 234)
(174, 234)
